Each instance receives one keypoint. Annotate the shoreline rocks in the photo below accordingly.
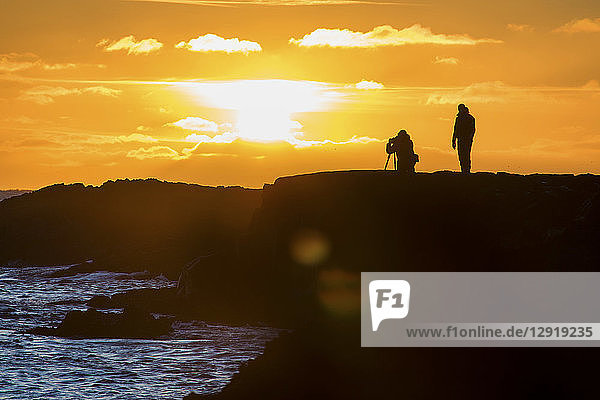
(131, 323)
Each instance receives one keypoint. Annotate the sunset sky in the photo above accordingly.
(241, 92)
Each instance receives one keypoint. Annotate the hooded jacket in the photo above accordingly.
(464, 126)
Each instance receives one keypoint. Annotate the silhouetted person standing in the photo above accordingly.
(403, 148)
(464, 131)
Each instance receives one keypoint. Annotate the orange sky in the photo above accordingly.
(241, 92)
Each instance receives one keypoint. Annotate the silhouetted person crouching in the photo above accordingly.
(402, 147)
(464, 131)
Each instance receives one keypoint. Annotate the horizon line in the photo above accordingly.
(391, 172)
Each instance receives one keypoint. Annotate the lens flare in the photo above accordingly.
(309, 247)
(339, 292)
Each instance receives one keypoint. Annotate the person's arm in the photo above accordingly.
(389, 147)
(473, 127)
(455, 133)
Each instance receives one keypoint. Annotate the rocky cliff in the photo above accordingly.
(291, 255)
(123, 225)
(377, 221)
(304, 239)
(316, 232)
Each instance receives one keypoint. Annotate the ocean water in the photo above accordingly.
(196, 356)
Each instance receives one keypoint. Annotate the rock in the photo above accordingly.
(373, 221)
(131, 323)
(125, 225)
(327, 362)
(102, 302)
(79, 268)
(162, 301)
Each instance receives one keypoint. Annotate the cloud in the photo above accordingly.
(211, 42)
(196, 124)
(130, 44)
(499, 92)
(384, 35)
(368, 85)
(588, 144)
(101, 90)
(233, 3)
(155, 152)
(301, 143)
(221, 133)
(111, 139)
(296, 141)
(591, 85)
(226, 137)
(484, 92)
(446, 60)
(137, 137)
(14, 62)
(45, 94)
(520, 28)
(166, 152)
(20, 120)
(588, 25)
(56, 67)
(289, 132)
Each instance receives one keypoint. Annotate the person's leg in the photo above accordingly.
(464, 155)
(468, 146)
(404, 165)
(461, 156)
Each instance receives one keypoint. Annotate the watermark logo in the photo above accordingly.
(389, 299)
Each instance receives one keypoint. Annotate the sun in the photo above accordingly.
(265, 108)
(267, 125)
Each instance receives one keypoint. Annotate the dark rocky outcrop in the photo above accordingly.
(314, 234)
(441, 221)
(163, 301)
(295, 259)
(131, 323)
(281, 254)
(429, 222)
(327, 362)
(123, 225)
(76, 269)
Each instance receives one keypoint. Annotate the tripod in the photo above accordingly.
(388, 160)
